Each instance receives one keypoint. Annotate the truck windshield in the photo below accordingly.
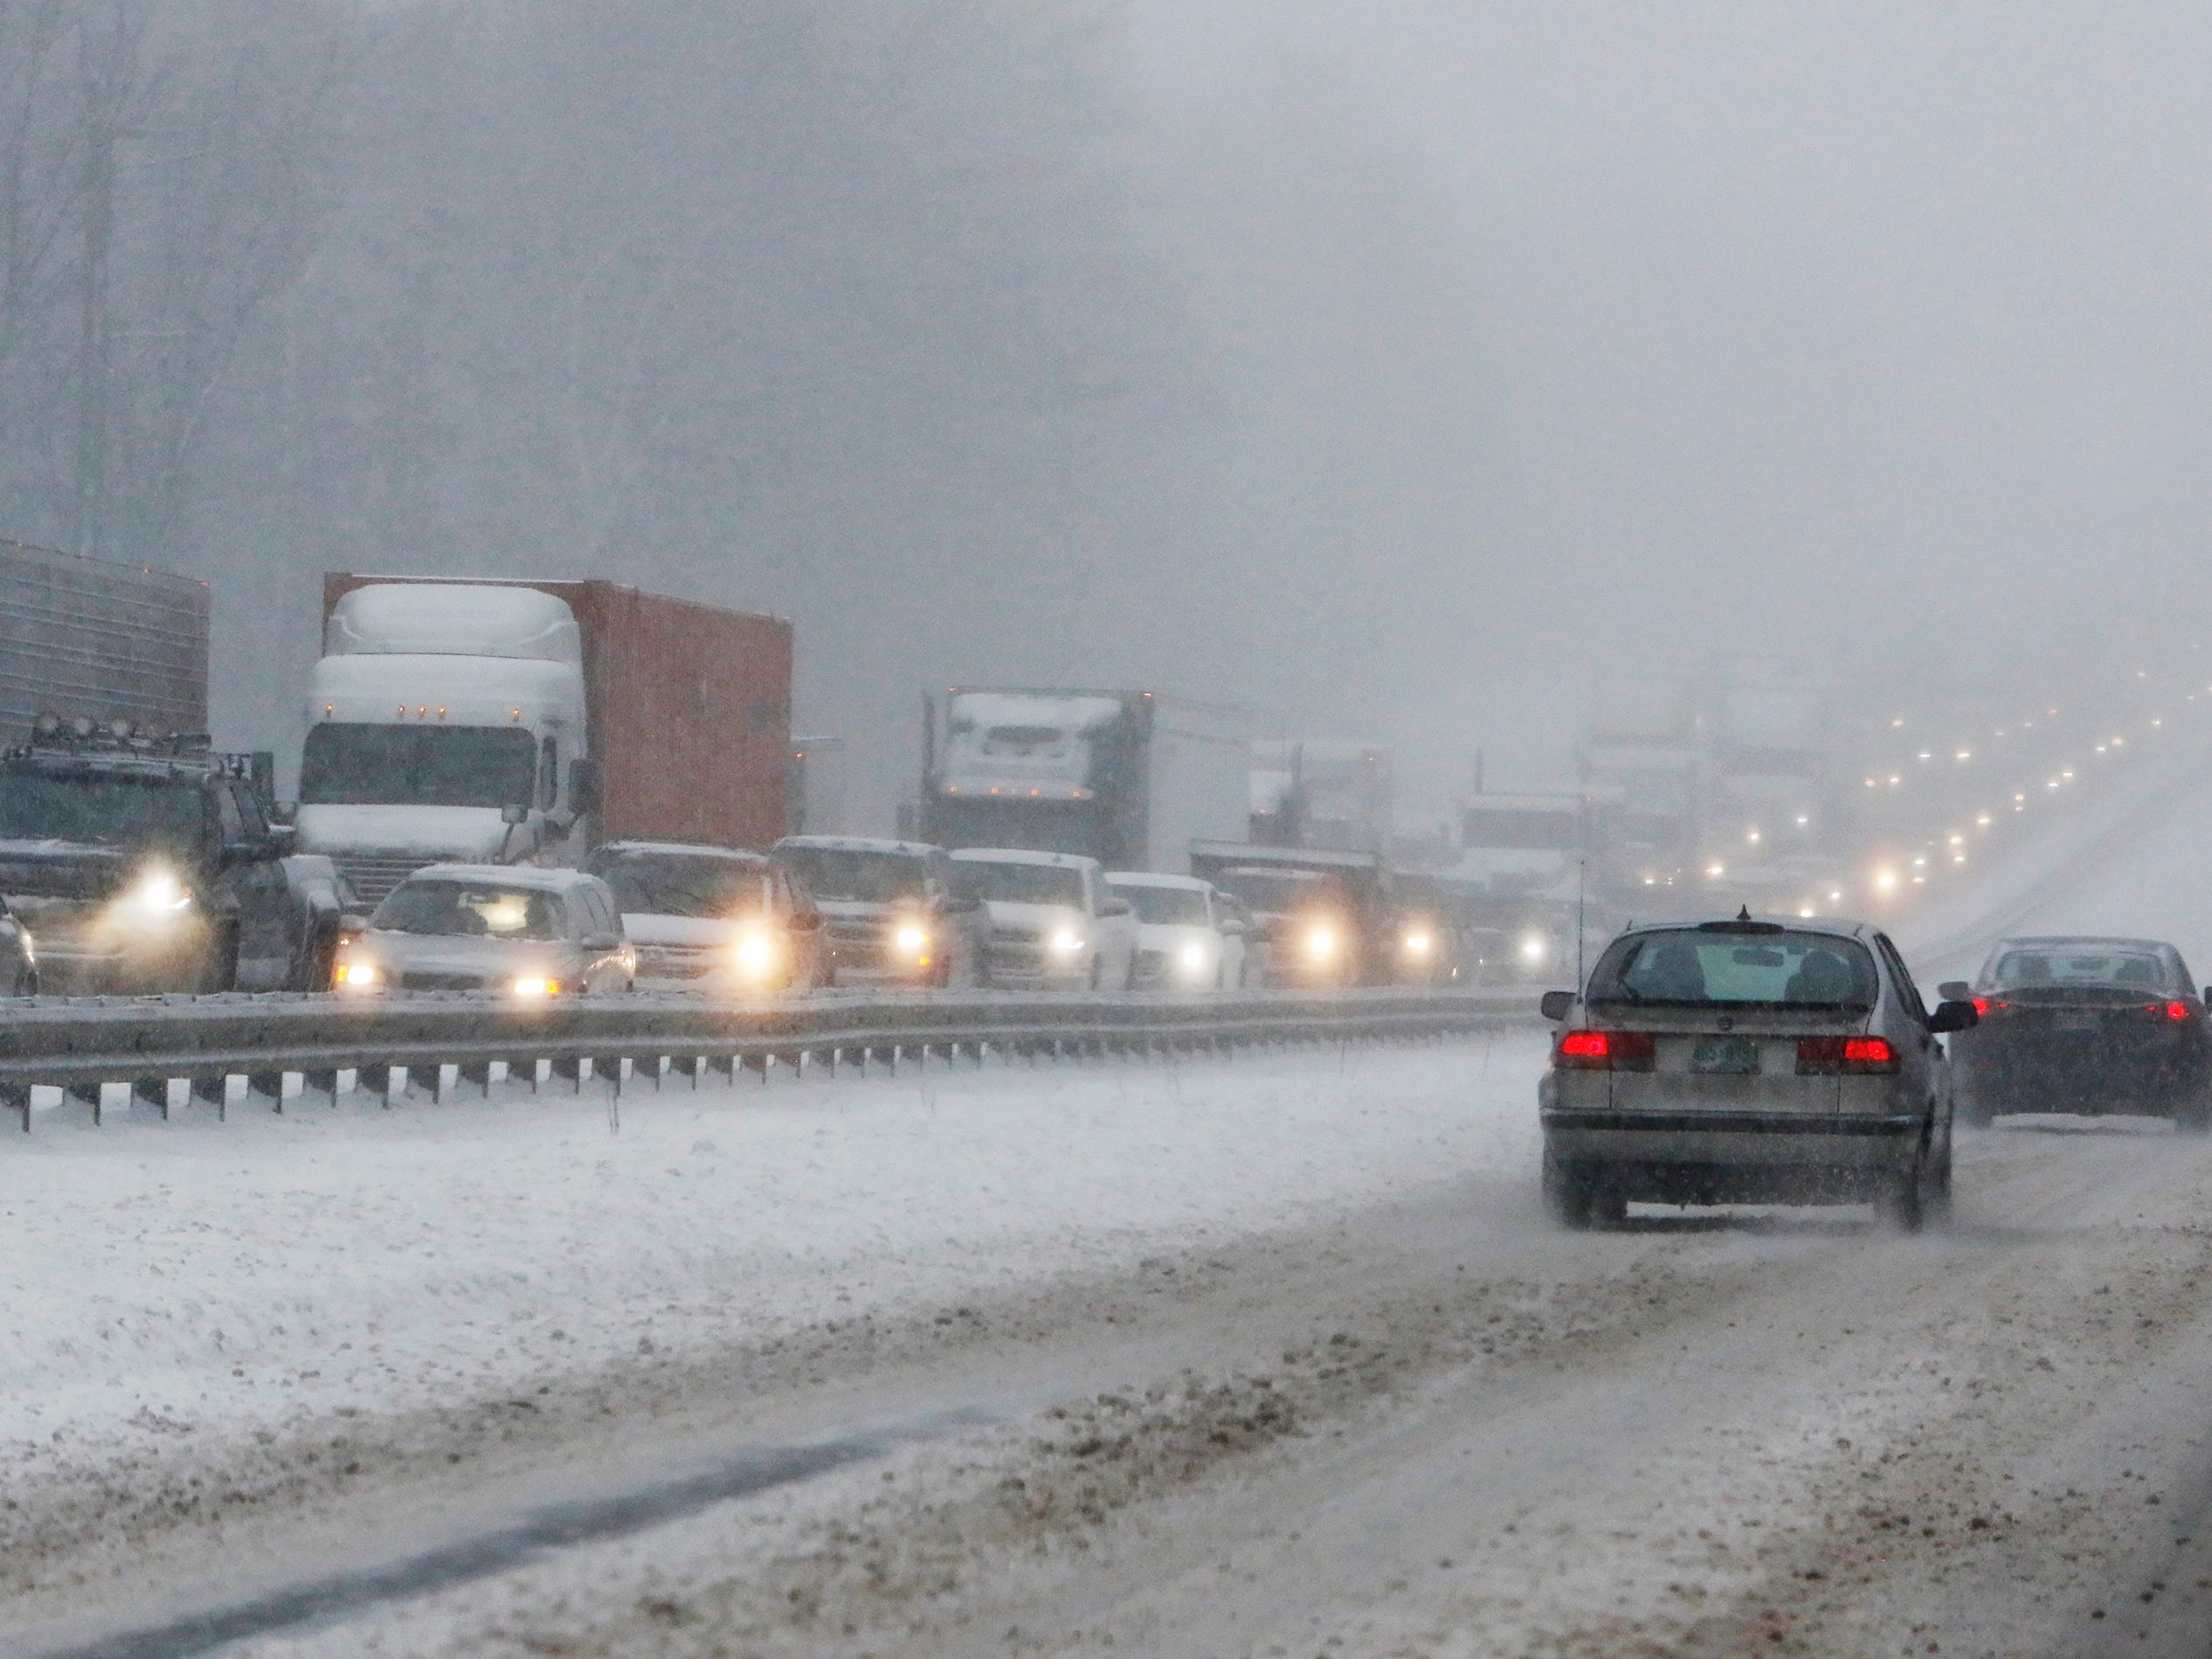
(849, 876)
(366, 765)
(1166, 906)
(1531, 828)
(671, 884)
(1024, 883)
(1689, 967)
(469, 910)
(104, 809)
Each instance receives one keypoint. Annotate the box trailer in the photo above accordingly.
(98, 639)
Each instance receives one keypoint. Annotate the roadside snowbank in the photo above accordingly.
(177, 1279)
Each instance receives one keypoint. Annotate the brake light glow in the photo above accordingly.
(1606, 1051)
(1845, 1056)
(2177, 1012)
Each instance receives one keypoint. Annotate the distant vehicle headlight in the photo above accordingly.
(1419, 944)
(1064, 942)
(911, 939)
(755, 953)
(1193, 961)
(1321, 944)
(1535, 948)
(531, 987)
(360, 976)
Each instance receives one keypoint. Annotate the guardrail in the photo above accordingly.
(163, 1049)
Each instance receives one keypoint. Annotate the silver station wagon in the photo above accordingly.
(1748, 1061)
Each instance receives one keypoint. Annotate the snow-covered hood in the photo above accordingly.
(450, 834)
(1016, 914)
(645, 927)
(490, 959)
(1171, 938)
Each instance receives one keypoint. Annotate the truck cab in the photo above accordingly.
(446, 723)
(143, 866)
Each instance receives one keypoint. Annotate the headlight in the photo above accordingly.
(910, 940)
(1535, 948)
(158, 893)
(362, 975)
(1193, 960)
(1419, 944)
(1066, 941)
(533, 987)
(1321, 944)
(755, 952)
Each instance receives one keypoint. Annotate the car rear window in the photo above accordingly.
(2055, 965)
(1691, 968)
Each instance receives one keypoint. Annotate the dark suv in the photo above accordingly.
(141, 866)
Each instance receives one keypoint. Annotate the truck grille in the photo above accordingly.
(374, 875)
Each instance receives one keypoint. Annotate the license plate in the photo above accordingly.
(2079, 1021)
(1725, 1056)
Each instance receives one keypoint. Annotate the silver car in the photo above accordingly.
(1748, 1061)
(518, 931)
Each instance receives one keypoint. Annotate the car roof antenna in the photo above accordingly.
(1743, 912)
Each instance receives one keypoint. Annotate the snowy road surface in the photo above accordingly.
(1266, 1358)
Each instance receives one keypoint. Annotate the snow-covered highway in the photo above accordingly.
(1274, 1357)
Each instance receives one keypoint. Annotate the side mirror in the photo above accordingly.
(1114, 906)
(514, 814)
(352, 925)
(602, 942)
(1556, 1006)
(1955, 991)
(583, 783)
(1953, 1016)
(1230, 928)
(2207, 996)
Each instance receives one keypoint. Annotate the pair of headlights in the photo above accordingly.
(529, 987)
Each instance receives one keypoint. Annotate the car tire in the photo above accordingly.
(1578, 1199)
(26, 982)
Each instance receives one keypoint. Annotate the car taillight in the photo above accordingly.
(1845, 1056)
(1606, 1051)
(1984, 1007)
(2177, 1012)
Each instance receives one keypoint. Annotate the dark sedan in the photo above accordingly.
(2084, 1025)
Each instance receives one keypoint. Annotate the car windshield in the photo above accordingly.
(674, 884)
(365, 765)
(103, 809)
(857, 876)
(1179, 905)
(1689, 967)
(2059, 966)
(1024, 883)
(469, 910)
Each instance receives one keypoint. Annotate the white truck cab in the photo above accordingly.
(446, 723)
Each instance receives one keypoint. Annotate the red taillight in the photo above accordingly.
(1606, 1051)
(1849, 1056)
